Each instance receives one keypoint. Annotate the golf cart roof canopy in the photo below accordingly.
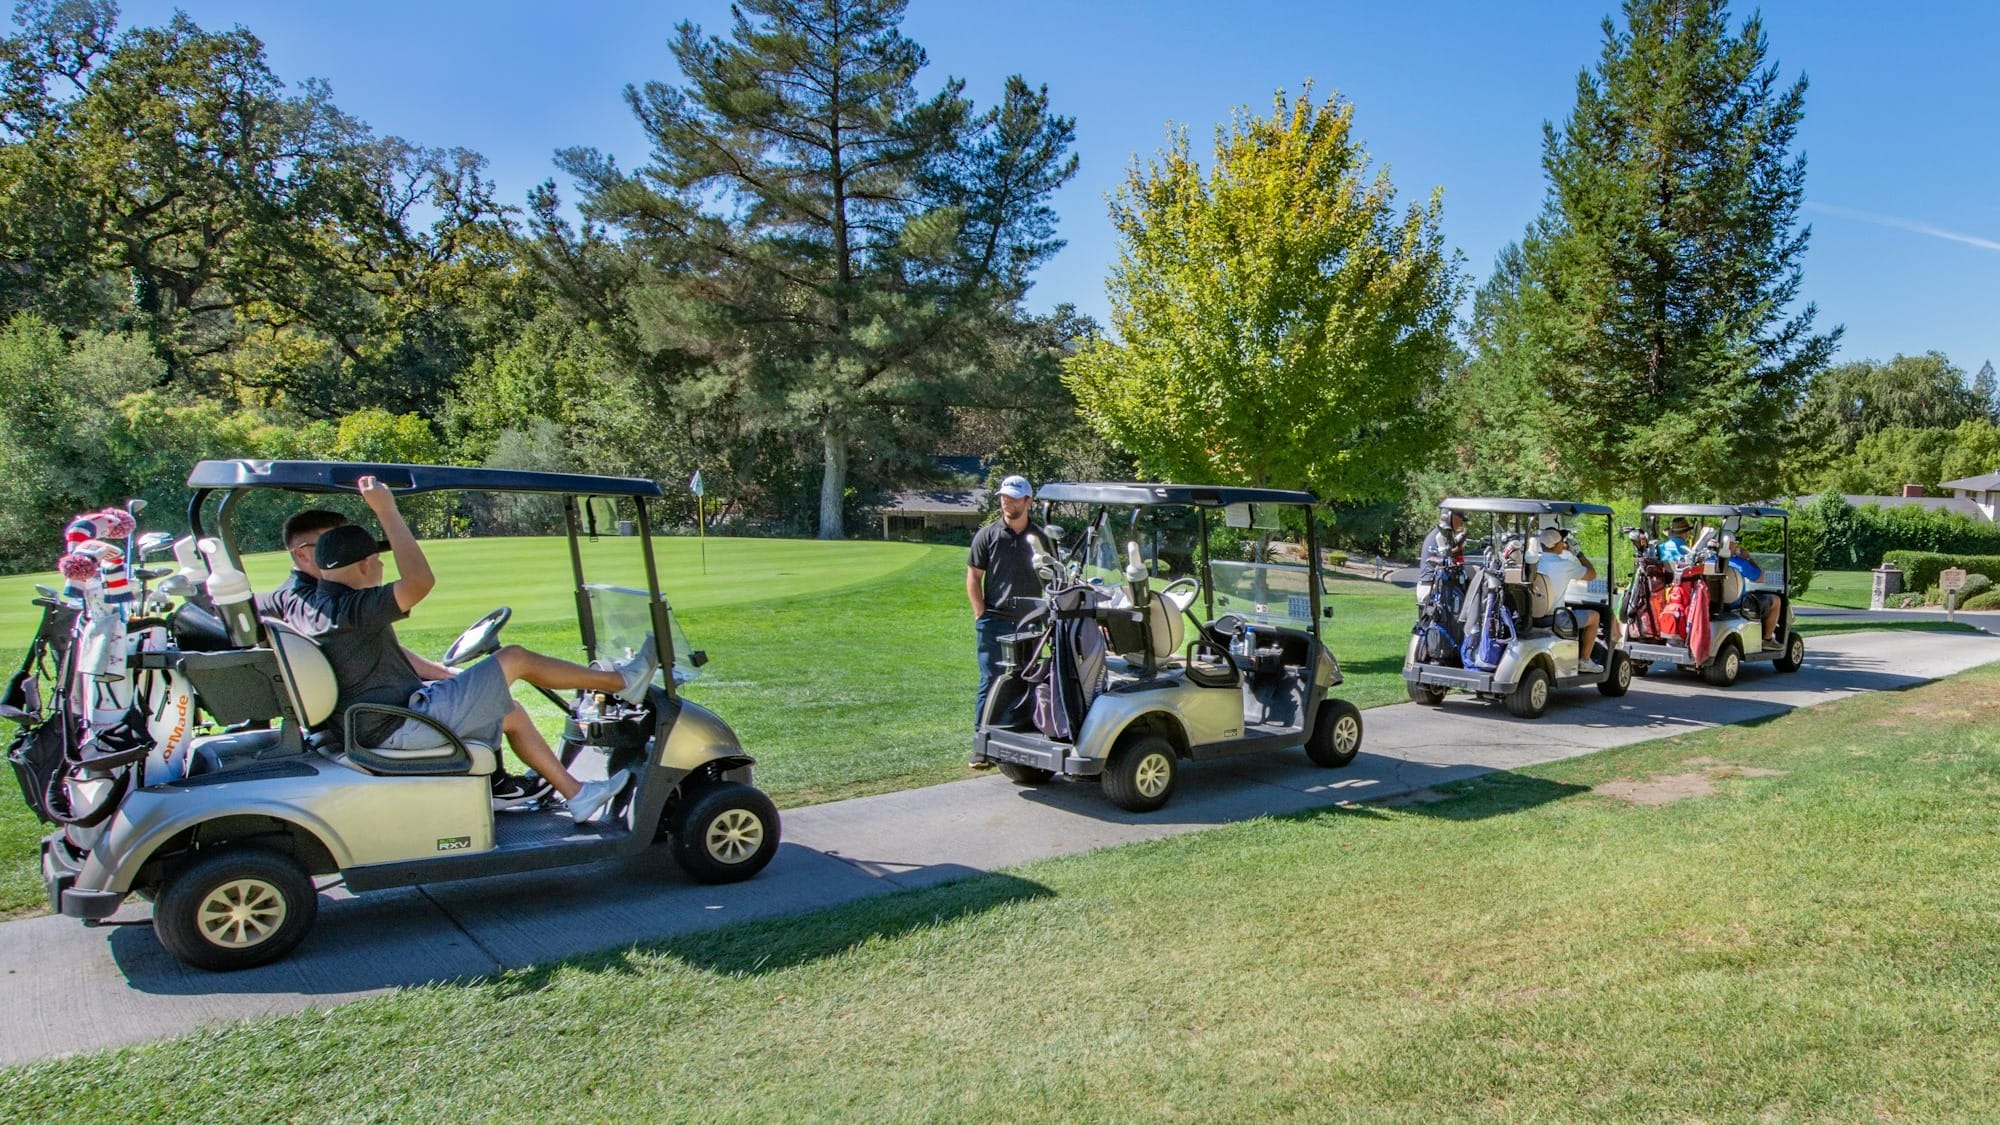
(1517, 507)
(1718, 510)
(340, 476)
(1193, 495)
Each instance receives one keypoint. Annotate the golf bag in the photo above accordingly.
(39, 752)
(1641, 609)
(1489, 623)
(1439, 629)
(1075, 653)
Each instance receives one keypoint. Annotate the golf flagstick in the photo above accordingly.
(700, 519)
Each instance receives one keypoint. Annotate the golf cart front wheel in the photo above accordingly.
(1025, 775)
(1795, 655)
(1618, 678)
(1336, 736)
(726, 833)
(1530, 697)
(1722, 671)
(1425, 695)
(235, 908)
(1141, 774)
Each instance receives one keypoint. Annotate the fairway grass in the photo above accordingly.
(1840, 589)
(1808, 932)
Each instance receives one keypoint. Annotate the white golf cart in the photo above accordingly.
(1492, 626)
(1706, 597)
(227, 831)
(1145, 650)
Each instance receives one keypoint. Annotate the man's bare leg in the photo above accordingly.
(534, 750)
(556, 675)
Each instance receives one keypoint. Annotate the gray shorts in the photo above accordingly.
(473, 704)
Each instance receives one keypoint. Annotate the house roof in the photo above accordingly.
(936, 502)
(1933, 503)
(1984, 482)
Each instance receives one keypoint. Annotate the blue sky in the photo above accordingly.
(1902, 126)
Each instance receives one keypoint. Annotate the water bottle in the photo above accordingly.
(1250, 641)
(229, 589)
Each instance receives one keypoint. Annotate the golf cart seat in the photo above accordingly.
(311, 693)
(1542, 601)
(1732, 585)
(1166, 620)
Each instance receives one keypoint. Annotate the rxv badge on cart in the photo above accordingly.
(454, 843)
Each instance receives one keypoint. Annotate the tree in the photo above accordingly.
(1986, 392)
(1665, 274)
(1848, 402)
(815, 248)
(1278, 322)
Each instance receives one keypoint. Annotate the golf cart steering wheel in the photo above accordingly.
(481, 638)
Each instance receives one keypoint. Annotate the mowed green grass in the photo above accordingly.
(1807, 932)
(846, 668)
(1840, 589)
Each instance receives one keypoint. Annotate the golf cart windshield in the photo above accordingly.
(621, 621)
(1276, 591)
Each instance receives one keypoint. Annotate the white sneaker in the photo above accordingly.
(638, 672)
(1590, 668)
(591, 799)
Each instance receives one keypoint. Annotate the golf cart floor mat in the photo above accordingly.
(549, 826)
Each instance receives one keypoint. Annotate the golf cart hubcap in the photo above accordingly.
(1624, 675)
(241, 913)
(1152, 775)
(1346, 734)
(735, 836)
(1538, 692)
(1729, 663)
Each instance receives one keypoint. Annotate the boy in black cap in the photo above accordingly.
(357, 615)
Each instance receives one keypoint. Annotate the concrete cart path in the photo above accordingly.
(66, 988)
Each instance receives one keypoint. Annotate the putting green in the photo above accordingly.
(532, 575)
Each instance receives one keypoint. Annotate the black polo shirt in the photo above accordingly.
(288, 603)
(356, 629)
(1007, 557)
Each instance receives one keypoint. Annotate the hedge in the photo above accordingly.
(1860, 538)
(1921, 568)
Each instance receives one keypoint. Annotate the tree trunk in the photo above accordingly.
(833, 483)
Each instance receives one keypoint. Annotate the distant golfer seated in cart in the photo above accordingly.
(1766, 606)
(354, 618)
(1560, 564)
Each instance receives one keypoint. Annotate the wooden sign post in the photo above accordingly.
(1951, 582)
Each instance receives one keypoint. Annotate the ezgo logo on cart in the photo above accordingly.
(454, 843)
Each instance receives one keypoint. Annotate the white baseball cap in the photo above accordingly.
(1016, 487)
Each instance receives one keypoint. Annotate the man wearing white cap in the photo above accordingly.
(999, 570)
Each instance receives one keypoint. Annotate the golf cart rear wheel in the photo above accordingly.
(1795, 655)
(1721, 672)
(1530, 697)
(1425, 695)
(725, 833)
(1336, 736)
(1141, 774)
(1025, 775)
(1618, 678)
(235, 908)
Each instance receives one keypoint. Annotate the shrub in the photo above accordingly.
(1990, 599)
(1909, 601)
(1855, 538)
(1921, 568)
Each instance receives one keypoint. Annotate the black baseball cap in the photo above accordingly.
(345, 546)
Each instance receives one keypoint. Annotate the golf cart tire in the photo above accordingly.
(1795, 655)
(1336, 736)
(1618, 678)
(1142, 773)
(725, 833)
(1727, 665)
(1425, 695)
(264, 882)
(1025, 775)
(1530, 697)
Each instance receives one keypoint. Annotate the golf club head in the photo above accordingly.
(154, 542)
(135, 505)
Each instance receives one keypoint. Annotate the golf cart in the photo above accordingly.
(225, 830)
(1703, 611)
(1492, 626)
(1145, 650)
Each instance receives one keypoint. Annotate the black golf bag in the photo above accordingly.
(1439, 629)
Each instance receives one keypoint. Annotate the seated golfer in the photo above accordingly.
(288, 603)
(1561, 565)
(1765, 605)
(1675, 547)
(358, 613)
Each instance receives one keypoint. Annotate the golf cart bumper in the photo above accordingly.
(1463, 679)
(1023, 749)
(1659, 654)
(59, 872)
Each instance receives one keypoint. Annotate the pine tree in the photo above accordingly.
(1986, 392)
(818, 247)
(1661, 294)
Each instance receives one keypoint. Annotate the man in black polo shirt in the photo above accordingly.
(357, 614)
(999, 569)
